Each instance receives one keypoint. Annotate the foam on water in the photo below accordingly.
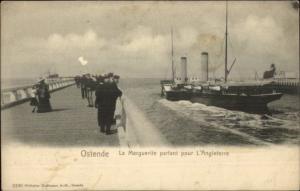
(256, 128)
(200, 118)
(242, 118)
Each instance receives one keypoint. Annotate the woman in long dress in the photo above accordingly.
(43, 97)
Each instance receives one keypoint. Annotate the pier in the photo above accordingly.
(16, 95)
(71, 123)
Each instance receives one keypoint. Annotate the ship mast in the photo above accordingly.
(173, 72)
(226, 34)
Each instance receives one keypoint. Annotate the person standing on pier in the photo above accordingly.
(77, 81)
(83, 81)
(43, 96)
(90, 86)
(98, 100)
(33, 97)
(106, 97)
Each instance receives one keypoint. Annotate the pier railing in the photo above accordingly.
(287, 85)
(17, 95)
(129, 119)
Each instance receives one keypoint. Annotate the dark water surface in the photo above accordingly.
(184, 123)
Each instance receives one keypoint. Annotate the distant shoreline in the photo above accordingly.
(16, 82)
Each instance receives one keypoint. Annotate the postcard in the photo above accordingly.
(150, 95)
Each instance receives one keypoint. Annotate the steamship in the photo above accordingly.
(250, 96)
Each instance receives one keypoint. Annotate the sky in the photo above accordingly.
(133, 39)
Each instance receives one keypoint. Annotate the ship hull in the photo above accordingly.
(249, 103)
(178, 95)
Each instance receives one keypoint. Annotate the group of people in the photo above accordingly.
(105, 88)
(40, 97)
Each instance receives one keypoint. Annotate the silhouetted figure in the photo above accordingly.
(90, 88)
(98, 95)
(270, 74)
(106, 97)
(77, 81)
(33, 98)
(43, 96)
(83, 82)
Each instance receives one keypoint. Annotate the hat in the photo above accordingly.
(116, 77)
(109, 75)
(100, 77)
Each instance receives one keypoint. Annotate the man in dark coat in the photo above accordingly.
(270, 74)
(99, 98)
(77, 81)
(106, 97)
(83, 82)
(90, 88)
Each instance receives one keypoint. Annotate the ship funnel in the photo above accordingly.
(204, 67)
(183, 72)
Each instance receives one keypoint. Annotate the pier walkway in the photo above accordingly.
(72, 123)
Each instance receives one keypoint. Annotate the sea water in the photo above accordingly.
(184, 123)
(16, 82)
